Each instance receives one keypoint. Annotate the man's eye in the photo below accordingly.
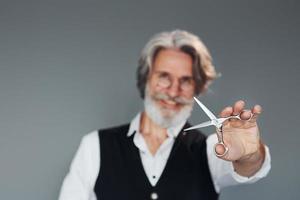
(163, 75)
(187, 81)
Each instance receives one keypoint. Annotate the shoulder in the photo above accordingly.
(194, 136)
(115, 130)
(89, 143)
(92, 138)
(194, 140)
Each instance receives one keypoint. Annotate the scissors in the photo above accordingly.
(218, 123)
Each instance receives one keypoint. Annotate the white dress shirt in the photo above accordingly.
(80, 181)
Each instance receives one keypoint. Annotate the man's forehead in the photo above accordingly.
(173, 61)
(168, 71)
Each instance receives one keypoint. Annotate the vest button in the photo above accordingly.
(154, 195)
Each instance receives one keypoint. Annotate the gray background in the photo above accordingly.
(68, 68)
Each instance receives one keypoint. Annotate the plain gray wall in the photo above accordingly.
(68, 68)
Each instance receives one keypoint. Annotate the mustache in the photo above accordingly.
(179, 100)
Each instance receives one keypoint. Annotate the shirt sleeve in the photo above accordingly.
(223, 173)
(80, 180)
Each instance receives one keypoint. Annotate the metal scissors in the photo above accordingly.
(218, 123)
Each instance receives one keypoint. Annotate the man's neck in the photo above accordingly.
(153, 134)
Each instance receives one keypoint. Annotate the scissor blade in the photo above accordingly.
(208, 112)
(204, 124)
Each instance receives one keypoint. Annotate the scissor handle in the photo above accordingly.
(223, 119)
(225, 149)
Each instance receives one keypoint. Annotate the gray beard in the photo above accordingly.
(164, 117)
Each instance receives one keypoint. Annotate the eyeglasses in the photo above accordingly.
(165, 80)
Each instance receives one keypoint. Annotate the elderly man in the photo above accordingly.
(152, 157)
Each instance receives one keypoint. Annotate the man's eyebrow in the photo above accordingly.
(160, 71)
(187, 77)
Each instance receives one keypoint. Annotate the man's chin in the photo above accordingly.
(166, 115)
(172, 117)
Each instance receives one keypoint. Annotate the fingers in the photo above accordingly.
(246, 115)
(235, 110)
(226, 112)
(256, 111)
(239, 109)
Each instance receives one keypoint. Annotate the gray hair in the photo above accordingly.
(203, 69)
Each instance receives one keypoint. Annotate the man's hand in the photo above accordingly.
(242, 138)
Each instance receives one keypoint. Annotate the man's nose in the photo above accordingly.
(174, 89)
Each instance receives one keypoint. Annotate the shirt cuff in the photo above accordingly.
(262, 172)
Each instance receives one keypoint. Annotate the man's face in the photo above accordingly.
(170, 87)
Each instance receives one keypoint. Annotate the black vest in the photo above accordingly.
(186, 175)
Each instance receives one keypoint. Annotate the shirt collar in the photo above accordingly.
(135, 127)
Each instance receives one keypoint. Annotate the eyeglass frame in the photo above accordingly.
(170, 79)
